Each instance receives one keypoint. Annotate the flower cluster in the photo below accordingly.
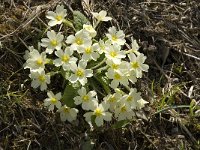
(82, 58)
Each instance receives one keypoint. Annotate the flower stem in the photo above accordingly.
(102, 62)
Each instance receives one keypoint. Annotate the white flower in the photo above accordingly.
(40, 79)
(88, 100)
(134, 46)
(101, 46)
(80, 73)
(35, 60)
(114, 53)
(27, 54)
(100, 112)
(56, 17)
(141, 103)
(123, 112)
(89, 52)
(52, 100)
(112, 65)
(81, 38)
(113, 99)
(67, 113)
(116, 37)
(132, 98)
(137, 64)
(117, 77)
(101, 16)
(54, 41)
(122, 66)
(90, 30)
(65, 59)
(131, 75)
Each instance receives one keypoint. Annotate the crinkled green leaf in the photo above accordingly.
(69, 93)
(104, 82)
(120, 124)
(99, 84)
(68, 23)
(93, 117)
(95, 85)
(79, 20)
(63, 73)
(87, 145)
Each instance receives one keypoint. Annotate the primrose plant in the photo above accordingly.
(97, 71)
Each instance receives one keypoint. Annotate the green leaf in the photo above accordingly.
(68, 23)
(63, 73)
(94, 84)
(192, 107)
(104, 82)
(93, 63)
(79, 20)
(120, 124)
(69, 93)
(87, 145)
(93, 117)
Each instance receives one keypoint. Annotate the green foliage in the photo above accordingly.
(100, 61)
(93, 117)
(68, 23)
(69, 93)
(87, 145)
(79, 20)
(94, 84)
(169, 97)
(194, 108)
(120, 124)
(104, 82)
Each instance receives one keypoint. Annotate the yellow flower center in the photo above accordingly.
(41, 78)
(58, 17)
(85, 98)
(117, 76)
(39, 62)
(123, 109)
(102, 47)
(54, 43)
(115, 66)
(135, 65)
(66, 109)
(79, 41)
(88, 50)
(80, 73)
(98, 112)
(112, 99)
(89, 28)
(113, 54)
(53, 100)
(129, 98)
(114, 38)
(65, 58)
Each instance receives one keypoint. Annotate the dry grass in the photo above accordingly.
(168, 33)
